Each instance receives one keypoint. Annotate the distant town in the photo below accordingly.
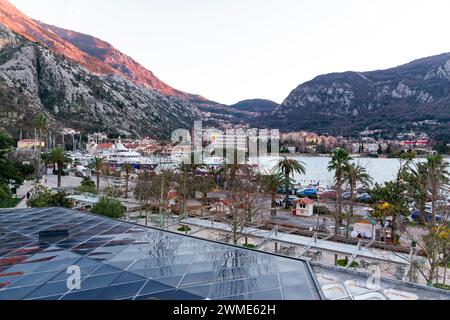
(369, 143)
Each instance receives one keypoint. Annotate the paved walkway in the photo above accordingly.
(22, 192)
(324, 245)
(66, 181)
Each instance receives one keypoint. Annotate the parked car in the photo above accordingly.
(365, 197)
(291, 201)
(418, 216)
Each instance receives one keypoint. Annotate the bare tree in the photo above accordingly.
(163, 185)
(127, 169)
(144, 191)
(245, 202)
(184, 183)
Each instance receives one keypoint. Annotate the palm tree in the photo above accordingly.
(430, 180)
(128, 169)
(214, 174)
(415, 179)
(98, 165)
(355, 174)
(426, 180)
(272, 181)
(45, 158)
(438, 177)
(190, 168)
(289, 167)
(204, 185)
(61, 158)
(41, 123)
(339, 161)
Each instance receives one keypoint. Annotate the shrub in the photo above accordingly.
(87, 186)
(109, 207)
(322, 210)
(5, 192)
(42, 197)
(184, 229)
(14, 170)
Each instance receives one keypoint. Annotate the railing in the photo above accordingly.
(211, 219)
(309, 246)
(341, 239)
(354, 256)
(268, 238)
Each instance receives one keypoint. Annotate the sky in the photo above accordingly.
(232, 50)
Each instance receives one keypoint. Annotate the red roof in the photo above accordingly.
(307, 201)
(105, 145)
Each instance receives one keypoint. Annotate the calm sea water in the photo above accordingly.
(381, 170)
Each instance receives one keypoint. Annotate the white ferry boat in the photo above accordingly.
(120, 155)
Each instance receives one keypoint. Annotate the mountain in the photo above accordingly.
(34, 78)
(256, 105)
(392, 99)
(94, 54)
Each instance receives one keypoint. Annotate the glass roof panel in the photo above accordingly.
(120, 260)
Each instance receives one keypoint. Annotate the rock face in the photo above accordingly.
(94, 54)
(35, 79)
(386, 99)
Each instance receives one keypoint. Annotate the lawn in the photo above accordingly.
(9, 203)
(442, 286)
(344, 263)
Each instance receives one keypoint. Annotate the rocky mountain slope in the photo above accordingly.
(256, 105)
(94, 54)
(386, 99)
(35, 79)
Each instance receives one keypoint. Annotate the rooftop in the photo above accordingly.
(120, 260)
(340, 284)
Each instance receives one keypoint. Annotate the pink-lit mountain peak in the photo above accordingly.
(94, 54)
